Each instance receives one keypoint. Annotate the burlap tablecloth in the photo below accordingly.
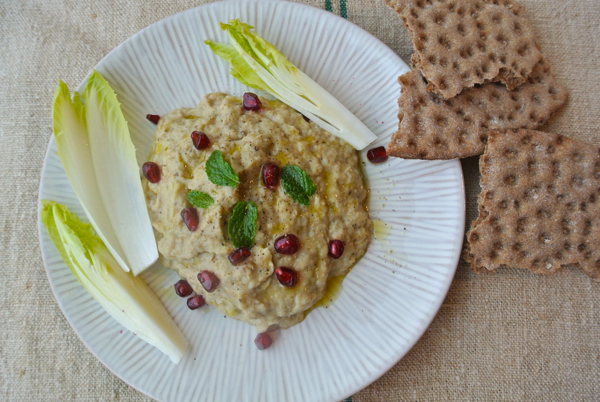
(508, 336)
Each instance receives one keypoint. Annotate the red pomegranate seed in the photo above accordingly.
(287, 244)
(154, 118)
(190, 218)
(183, 288)
(238, 255)
(208, 280)
(270, 175)
(377, 155)
(286, 276)
(263, 341)
(200, 140)
(195, 302)
(336, 249)
(151, 172)
(251, 102)
(306, 118)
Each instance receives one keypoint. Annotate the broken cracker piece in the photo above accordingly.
(431, 127)
(461, 43)
(539, 206)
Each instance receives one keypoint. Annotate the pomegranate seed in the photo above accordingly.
(336, 249)
(238, 255)
(287, 244)
(195, 302)
(208, 280)
(251, 102)
(190, 218)
(263, 341)
(377, 155)
(286, 276)
(183, 288)
(151, 172)
(306, 118)
(270, 175)
(154, 118)
(200, 140)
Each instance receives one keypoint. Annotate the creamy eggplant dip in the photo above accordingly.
(235, 214)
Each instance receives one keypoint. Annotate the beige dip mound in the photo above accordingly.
(250, 291)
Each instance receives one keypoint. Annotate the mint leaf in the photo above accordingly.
(297, 184)
(242, 224)
(199, 199)
(220, 172)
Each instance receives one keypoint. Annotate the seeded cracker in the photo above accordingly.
(460, 43)
(539, 206)
(433, 128)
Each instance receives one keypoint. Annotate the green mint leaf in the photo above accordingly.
(199, 199)
(220, 172)
(297, 184)
(242, 224)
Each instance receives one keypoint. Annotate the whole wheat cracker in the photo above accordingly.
(539, 206)
(431, 127)
(461, 43)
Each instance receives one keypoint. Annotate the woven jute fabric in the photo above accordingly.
(512, 335)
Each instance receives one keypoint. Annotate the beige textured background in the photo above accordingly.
(506, 336)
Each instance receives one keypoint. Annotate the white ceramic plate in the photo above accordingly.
(388, 299)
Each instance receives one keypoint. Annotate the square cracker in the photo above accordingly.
(431, 127)
(460, 43)
(539, 206)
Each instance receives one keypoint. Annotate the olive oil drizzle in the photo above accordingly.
(333, 289)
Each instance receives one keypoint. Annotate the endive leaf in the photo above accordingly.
(98, 156)
(258, 64)
(125, 297)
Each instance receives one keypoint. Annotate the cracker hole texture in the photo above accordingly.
(444, 42)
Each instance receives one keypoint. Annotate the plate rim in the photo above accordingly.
(457, 167)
